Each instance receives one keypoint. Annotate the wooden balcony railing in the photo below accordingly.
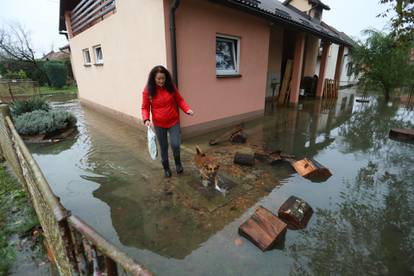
(88, 12)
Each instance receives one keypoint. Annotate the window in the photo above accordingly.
(227, 55)
(86, 57)
(98, 54)
(349, 69)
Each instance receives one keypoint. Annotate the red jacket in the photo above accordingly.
(163, 107)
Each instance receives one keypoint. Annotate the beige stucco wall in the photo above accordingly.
(212, 98)
(302, 5)
(275, 58)
(132, 41)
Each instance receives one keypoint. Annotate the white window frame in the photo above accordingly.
(236, 55)
(95, 54)
(85, 59)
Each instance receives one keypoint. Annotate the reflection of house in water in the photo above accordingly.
(305, 130)
(170, 217)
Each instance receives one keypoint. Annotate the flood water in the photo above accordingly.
(363, 221)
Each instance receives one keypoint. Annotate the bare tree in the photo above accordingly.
(15, 45)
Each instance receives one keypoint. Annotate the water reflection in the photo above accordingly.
(106, 177)
(371, 229)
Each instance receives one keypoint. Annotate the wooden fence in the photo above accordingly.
(75, 247)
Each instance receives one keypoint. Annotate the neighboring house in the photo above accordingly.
(225, 55)
(60, 56)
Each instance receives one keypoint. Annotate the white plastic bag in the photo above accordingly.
(152, 143)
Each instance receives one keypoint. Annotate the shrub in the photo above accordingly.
(32, 104)
(57, 73)
(16, 75)
(43, 122)
(33, 72)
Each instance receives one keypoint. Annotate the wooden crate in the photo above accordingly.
(295, 212)
(310, 168)
(263, 229)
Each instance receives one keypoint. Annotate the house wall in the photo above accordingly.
(275, 58)
(302, 5)
(214, 99)
(345, 79)
(132, 41)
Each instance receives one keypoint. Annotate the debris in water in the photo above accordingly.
(295, 212)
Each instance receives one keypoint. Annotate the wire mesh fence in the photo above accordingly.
(16, 89)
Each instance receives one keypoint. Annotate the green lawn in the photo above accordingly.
(17, 217)
(63, 90)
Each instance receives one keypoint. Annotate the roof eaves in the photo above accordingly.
(304, 23)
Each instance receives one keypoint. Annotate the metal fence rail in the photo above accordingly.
(75, 247)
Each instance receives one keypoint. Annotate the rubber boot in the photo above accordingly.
(166, 166)
(178, 166)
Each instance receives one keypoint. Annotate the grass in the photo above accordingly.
(64, 90)
(17, 217)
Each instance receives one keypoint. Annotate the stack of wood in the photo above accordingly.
(402, 134)
(284, 94)
(310, 168)
(235, 136)
(295, 212)
(330, 90)
(263, 229)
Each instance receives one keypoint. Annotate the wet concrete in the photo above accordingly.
(363, 213)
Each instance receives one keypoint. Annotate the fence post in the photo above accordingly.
(5, 111)
(10, 91)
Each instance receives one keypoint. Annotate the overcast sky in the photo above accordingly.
(40, 17)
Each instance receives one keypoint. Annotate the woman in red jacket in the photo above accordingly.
(162, 98)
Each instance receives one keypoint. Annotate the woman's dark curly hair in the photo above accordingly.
(152, 86)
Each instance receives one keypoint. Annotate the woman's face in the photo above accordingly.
(160, 79)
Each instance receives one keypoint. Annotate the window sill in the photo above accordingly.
(87, 65)
(229, 76)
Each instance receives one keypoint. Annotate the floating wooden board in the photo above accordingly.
(310, 168)
(295, 212)
(263, 229)
(272, 157)
(402, 134)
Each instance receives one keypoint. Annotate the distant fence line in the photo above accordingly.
(11, 89)
(75, 247)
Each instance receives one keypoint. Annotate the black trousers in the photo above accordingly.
(175, 141)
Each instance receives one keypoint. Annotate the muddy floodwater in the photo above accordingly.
(363, 221)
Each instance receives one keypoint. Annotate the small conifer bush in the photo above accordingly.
(36, 103)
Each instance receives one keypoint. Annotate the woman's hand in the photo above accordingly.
(190, 112)
(147, 123)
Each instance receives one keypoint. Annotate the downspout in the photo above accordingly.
(173, 8)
